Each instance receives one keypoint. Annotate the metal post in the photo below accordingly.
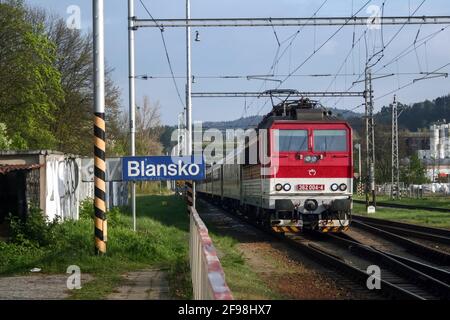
(188, 82)
(100, 229)
(366, 117)
(358, 146)
(132, 100)
(189, 134)
(395, 175)
(359, 163)
(372, 140)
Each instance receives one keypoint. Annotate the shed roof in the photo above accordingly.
(4, 169)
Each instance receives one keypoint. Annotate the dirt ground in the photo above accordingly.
(289, 276)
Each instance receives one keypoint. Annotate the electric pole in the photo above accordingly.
(395, 179)
(100, 227)
(132, 100)
(189, 133)
(370, 140)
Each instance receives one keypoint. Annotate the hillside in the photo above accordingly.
(418, 115)
(252, 121)
(413, 118)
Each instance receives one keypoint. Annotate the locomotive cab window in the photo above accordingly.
(291, 140)
(330, 140)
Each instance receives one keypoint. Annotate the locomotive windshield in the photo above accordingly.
(330, 140)
(291, 140)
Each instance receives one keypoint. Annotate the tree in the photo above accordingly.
(5, 142)
(31, 84)
(148, 129)
(74, 61)
(414, 172)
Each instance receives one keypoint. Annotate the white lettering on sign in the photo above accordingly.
(139, 168)
(133, 168)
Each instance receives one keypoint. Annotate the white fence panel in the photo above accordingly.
(208, 278)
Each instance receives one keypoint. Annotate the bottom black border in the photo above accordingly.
(225, 309)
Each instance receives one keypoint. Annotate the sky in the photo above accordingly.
(251, 51)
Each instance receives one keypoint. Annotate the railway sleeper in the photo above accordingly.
(432, 285)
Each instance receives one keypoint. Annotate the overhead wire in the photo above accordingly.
(292, 39)
(315, 51)
(161, 29)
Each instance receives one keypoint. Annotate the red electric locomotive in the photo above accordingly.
(305, 180)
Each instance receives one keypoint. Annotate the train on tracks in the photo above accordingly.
(306, 179)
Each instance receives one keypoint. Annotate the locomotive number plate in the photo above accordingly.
(310, 187)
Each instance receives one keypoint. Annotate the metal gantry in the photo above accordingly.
(289, 22)
(295, 22)
(395, 176)
(321, 94)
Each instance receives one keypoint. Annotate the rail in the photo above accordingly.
(208, 278)
(405, 206)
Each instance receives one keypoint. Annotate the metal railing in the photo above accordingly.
(208, 278)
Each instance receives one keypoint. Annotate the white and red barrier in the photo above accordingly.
(208, 278)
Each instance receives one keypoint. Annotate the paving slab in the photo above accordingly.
(37, 287)
(148, 284)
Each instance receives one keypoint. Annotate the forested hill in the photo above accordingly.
(413, 117)
(252, 121)
(419, 115)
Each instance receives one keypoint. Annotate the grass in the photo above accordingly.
(428, 201)
(244, 283)
(421, 217)
(160, 241)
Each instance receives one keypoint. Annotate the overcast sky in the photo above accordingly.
(251, 51)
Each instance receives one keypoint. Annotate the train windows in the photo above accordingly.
(330, 140)
(291, 140)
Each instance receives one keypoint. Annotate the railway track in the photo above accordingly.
(407, 230)
(414, 247)
(405, 206)
(401, 277)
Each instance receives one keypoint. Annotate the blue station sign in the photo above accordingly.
(154, 168)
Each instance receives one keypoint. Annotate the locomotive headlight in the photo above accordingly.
(278, 187)
(311, 159)
(287, 187)
(334, 187)
(343, 187)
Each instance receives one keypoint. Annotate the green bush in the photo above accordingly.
(87, 212)
(86, 209)
(34, 230)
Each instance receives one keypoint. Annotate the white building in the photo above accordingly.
(437, 159)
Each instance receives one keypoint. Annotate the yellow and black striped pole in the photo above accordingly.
(189, 194)
(99, 129)
(100, 184)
